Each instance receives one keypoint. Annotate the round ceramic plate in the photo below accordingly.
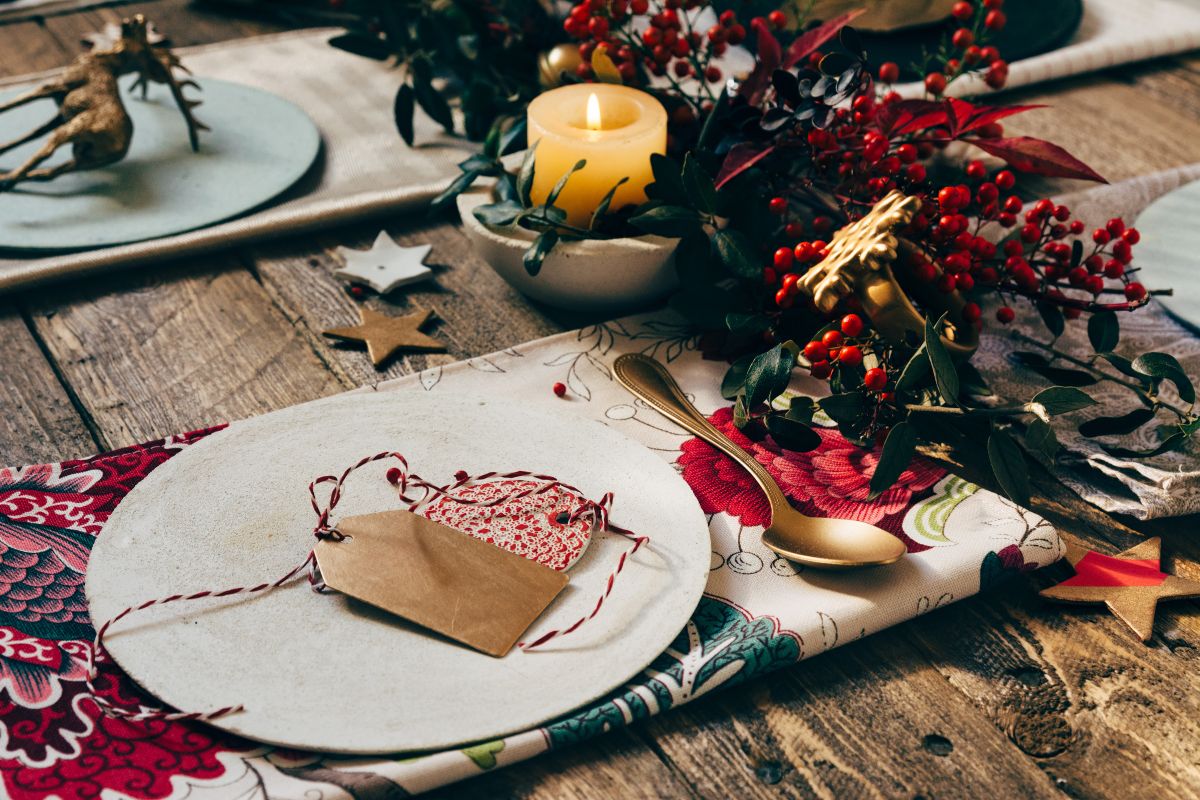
(259, 145)
(323, 672)
(1034, 27)
(1170, 250)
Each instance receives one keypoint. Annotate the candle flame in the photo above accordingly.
(593, 112)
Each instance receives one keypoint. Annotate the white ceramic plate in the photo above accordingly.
(1170, 250)
(325, 673)
(259, 145)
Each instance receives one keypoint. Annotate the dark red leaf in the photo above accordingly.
(909, 116)
(740, 158)
(971, 117)
(807, 43)
(1039, 157)
(766, 62)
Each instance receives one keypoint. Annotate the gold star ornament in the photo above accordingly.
(1130, 584)
(385, 336)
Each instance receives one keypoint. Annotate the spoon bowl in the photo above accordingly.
(814, 541)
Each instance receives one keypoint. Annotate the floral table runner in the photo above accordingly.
(759, 613)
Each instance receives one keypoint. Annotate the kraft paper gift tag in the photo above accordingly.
(430, 574)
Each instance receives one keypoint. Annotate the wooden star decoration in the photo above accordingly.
(386, 265)
(385, 336)
(1129, 583)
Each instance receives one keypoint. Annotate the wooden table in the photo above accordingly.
(998, 696)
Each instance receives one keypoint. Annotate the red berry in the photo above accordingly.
(971, 312)
(783, 258)
(777, 19)
(935, 83)
(1005, 315)
(712, 74)
(964, 282)
(639, 6)
(976, 170)
(777, 205)
(816, 351)
(962, 11)
(1134, 291)
(889, 72)
(995, 20)
(1005, 179)
(1095, 284)
(1115, 226)
(598, 27)
(1012, 203)
(1030, 233)
(793, 230)
(850, 356)
(996, 75)
(972, 54)
(852, 325)
(1072, 313)
(1122, 251)
(1077, 227)
(784, 298)
(560, 389)
(1094, 264)
(682, 69)
(736, 35)
(962, 38)
(1078, 276)
(1101, 236)
(1131, 235)
(821, 370)
(915, 172)
(875, 379)
(831, 338)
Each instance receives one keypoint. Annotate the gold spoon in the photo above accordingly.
(815, 541)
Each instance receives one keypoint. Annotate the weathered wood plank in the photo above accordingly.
(183, 22)
(38, 422)
(27, 48)
(871, 719)
(177, 347)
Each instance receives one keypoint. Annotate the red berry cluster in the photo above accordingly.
(964, 52)
(842, 347)
(667, 46)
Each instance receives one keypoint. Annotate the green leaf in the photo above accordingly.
(1053, 317)
(1009, 467)
(1116, 426)
(491, 144)
(1104, 331)
(512, 137)
(747, 324)
(498, 214)
(536, 254)
(844, 408)
(734, 382)
(562, 182)
(673, 221)
(898, 450)
(1059, 375)
(1040, 439)
(1062, 399)
(525, 176)
(506, 188)
(456, 187)
(430, 100)
(668, 181)
(1122, 365)
(402, 110)
(915, 371)
(802, 408)
(699, 186)
(605, 202)
(736, 253)
(741, 414)
(768, 375)
(362, 45)
(1172, 442)
(792, 435)
(944, 373)
(1165, 366)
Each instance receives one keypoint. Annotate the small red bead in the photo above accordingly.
(852, 325)
(560, 389)
(875, 379)
(393, 476)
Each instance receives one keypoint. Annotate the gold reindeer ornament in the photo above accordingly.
(862, 262)
(91, 116)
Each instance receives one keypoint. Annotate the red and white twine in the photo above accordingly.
(405, 482)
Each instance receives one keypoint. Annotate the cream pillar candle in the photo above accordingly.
(614, 128)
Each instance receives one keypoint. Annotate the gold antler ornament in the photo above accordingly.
(862, 260)
(91, 117)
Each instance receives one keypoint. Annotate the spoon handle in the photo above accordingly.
(650, 381)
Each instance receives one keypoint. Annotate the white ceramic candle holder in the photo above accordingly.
(587, 275)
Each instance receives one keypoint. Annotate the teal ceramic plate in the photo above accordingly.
(1169, 251)
(259, 145)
